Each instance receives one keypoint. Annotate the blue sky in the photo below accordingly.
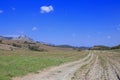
(78, 22)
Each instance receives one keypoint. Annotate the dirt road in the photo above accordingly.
(95, 66)
(102, 67)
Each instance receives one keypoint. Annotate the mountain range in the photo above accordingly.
(20, 37)
(25, 42)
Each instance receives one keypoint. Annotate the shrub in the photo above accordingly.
(116, 47)
(26, 42)
(0, 41)
(16, 45)
(35, 48)
(79, 50)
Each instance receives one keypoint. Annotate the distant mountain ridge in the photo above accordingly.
(22, 40)
(100, 47)
(74, 47)
(21, 37)
(116, 47)
(3, 38)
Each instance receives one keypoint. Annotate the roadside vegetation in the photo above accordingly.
(21, 62)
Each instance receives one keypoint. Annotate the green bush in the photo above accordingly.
(79, 50)
(116, 47)
(35, 48)
(26, 42)
(16, 45)
(0, 41)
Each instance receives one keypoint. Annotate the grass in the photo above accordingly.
(116, 50)
(22, 62)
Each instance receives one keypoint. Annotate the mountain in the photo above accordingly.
(84, 48)
(5, 38)
(25, 43)
(64, 46)
(74, 47)
(23, 38)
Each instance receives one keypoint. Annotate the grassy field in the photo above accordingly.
(21, 62)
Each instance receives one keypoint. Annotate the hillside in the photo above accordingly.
(116, 47)
(100, 47)
(24, 42)
(21, 58)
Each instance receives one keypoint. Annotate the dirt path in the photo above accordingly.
(63, 72)
(95, 66)
(101, 67)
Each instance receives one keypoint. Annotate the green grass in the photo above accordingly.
(21, 62)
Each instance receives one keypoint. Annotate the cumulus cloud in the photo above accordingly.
(46, 9)
(1, 11)
(34, 28)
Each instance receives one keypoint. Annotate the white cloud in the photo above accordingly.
(34, 28)
(109, 37)
(118, 24)
(74, 35)
(118, 28)
(89, 36)
(99, 32)
(13, 8)
(46, 9)
(1, 11)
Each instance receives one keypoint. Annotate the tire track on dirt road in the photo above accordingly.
(115, 68)
(101, 67)
(91, 71)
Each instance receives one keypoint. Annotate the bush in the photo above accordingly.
(79, 50)
(16, 45)
(26, 42)
(35, 48)
(116, 47)
(0, 41)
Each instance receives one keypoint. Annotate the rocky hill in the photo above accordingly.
(23, 38)
(24, 42)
